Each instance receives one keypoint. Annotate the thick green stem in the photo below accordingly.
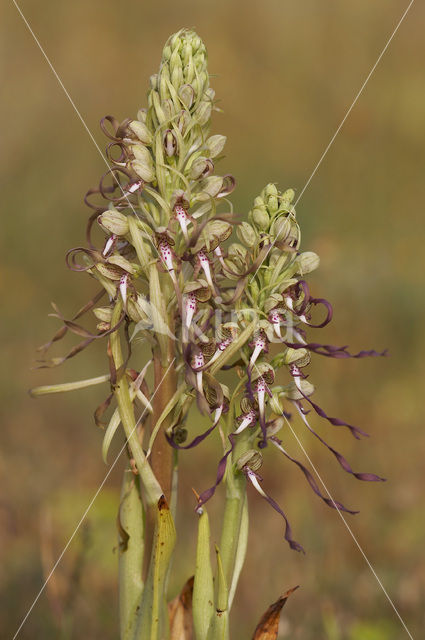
(152, 618)
(151, 485)
(131, 549)
(235, 499)
(162, 454)
(231, 523)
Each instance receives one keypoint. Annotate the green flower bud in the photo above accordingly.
(275, 404)
(287, 197)
(136, 308)
(201, 168)
(141, 131)
(280, 227)
(142, 115)
(219, 228)
(164, 78)
(155, 103)
(114, 222)
(291, 355)
(154, 81)
(215, 231)
(176, 68)
(203, 112)
(110, 271)
(141, 153)
(292, 392)
(186, 95)
(307, 262)
(169, 109)
(270, 196)
(184, 59)
(246, 234)
(259, 202)
(209, 188)
(261, 218)
(124, 264)
(143, 162)
(215, 145)
(274, 426)
(237, 251)
(285, 229)
(184, 121)
(293, 238)
(251, 459)
(146, 173)
(166, 52)
(170, 143)
(269, 190)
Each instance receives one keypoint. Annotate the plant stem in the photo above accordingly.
(151, 485)
(131, 549)
(162, 454)
(235, 498)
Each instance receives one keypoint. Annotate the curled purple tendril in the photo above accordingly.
(208, 493)
(334, 504)
(367, 477)
(288, 531)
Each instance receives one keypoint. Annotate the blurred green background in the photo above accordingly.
(286, 73)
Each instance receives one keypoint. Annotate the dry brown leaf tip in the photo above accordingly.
(268, 627)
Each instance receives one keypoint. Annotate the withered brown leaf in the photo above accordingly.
(268, 627)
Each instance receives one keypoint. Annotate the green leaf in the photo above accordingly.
(152, 620)
(126, 410)
(67, 386)
(159, 312)
(138, 243)
(234, 347)
(131, 529)
(240, 551)
(167, 409)
(203, 588)
(219, 629)
(110, 431)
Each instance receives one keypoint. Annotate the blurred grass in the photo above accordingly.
(286, 72)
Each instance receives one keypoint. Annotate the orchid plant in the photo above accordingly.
(223, 307)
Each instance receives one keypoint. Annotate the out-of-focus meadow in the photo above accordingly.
(285, 74)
